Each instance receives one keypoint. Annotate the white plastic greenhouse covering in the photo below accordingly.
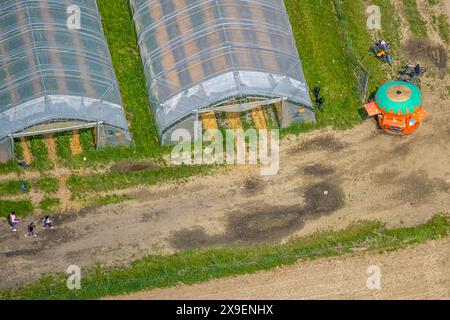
(49, 72)
(199, 53)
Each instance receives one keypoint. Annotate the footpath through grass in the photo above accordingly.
(196, 266)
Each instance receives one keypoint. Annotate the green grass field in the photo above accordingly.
(197, 266)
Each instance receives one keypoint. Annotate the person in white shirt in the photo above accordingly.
(47, 222)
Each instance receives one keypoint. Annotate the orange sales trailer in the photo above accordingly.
(398, 107)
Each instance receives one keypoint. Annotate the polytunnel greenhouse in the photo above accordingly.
(55, 76)
(230, 56)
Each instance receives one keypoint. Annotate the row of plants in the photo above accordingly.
(331, 36)
(39, 150)
(440, 22)
(87, 140)
(48, 185)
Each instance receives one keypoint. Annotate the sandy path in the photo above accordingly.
(49, 141)
(75, 144)
(421, 272)
(209, 121)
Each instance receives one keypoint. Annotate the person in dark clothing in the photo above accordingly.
(31, 230)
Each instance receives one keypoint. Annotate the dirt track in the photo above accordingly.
(421, 272)
(327, 180)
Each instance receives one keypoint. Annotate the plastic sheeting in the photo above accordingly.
(49, 72)
(197, 53)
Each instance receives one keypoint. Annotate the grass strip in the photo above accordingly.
(79, 185)
(21, 208)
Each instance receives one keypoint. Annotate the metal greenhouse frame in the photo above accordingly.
(202, 55)
(54, 77)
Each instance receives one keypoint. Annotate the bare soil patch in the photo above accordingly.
(425, 50)
(243, 229)
(414, 188)
(129, 166)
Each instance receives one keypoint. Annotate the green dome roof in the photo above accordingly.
(399, 97)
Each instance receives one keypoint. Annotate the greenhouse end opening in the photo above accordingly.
(229, 57)
(54, 78)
